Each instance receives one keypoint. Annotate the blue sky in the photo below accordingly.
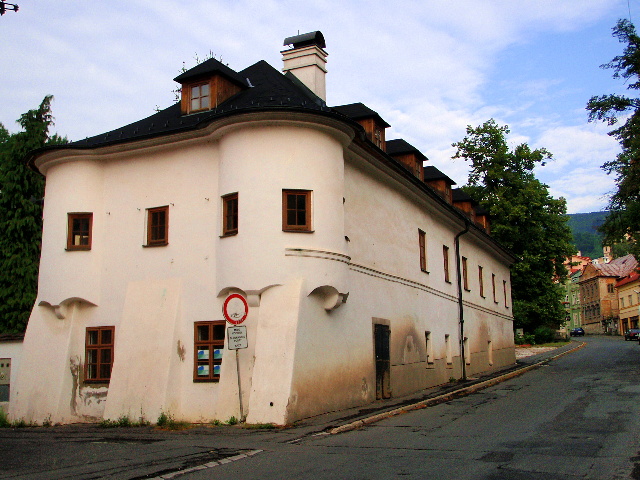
(429, 68)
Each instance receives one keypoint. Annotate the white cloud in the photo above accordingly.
(429, 68)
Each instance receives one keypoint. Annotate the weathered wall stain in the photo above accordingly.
(181, 351)
(74, 366)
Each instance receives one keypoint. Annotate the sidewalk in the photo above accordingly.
(344, 420)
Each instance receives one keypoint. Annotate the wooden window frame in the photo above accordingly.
(199, 97)
(504, 291)
(151, 227)
(422, 244)
(445, 256)
(71, 232)
(465, 274)
(230, 214)
(211, 343)
(286, 226)
(493, 287)
(94, 370)
(481, 280)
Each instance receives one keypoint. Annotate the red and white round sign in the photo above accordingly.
(235, 309)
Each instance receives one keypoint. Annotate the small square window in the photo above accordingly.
(157, 226)
(200, 97)
(208, 348)
(296, 210)
(230, 214)
(98, 361)
(79, 231)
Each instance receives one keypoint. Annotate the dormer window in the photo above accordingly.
(377, 137)
(208, 85)
(200, 97)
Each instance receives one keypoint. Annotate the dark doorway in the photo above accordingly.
(382, 335)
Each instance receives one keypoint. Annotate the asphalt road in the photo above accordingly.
(576, 417)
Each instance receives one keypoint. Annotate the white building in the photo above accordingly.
(252, 185)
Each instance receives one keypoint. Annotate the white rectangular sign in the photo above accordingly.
(237, 337)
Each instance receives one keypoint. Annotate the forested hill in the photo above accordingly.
(585, 235)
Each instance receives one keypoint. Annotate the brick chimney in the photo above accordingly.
(307, 61)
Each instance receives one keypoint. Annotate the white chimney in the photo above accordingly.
(307, 61)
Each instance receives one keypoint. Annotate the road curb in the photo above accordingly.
(447, 396)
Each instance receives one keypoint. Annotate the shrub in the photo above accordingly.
(544, 334)
(4, 421)
(166, 421)
(526, 339)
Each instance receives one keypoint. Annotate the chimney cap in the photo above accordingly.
(306, 39)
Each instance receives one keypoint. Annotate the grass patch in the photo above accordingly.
(552, 344)
(232, 421)
(4, 421)
(123, 422)
(259, 426)
(167, 422)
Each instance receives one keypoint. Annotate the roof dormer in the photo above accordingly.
(207, 85)
(372, 123)
(464, 202)
(482, 218)
(439, 182)
(408, 155)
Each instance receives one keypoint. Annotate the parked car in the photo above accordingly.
(577, 332)
(632, 334)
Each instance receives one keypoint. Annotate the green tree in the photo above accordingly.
(623, 221)
(524, 218)
(21, 192)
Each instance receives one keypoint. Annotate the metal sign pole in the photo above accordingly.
(239, 386)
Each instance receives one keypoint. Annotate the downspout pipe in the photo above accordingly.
(467, 224)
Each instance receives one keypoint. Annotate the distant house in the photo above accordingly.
(575, 265)
(356, 275)
(628, 290)
(600, 309)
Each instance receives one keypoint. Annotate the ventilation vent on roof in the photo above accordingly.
(306, 39)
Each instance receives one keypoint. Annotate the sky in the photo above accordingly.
(429, 68)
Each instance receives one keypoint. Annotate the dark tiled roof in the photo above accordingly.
(432, 173)
(458, 195)
(402, 147)
(480, 210)
(359, 111)
(268, 90)
(209, 67)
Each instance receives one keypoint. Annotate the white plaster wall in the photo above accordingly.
(258, 163)
(301, 359)
(70, 188)
(334, 365)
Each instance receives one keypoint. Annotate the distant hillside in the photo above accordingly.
(586, 238)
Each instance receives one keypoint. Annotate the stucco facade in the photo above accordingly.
(600, 306)
(628, 290)
(314, 296)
